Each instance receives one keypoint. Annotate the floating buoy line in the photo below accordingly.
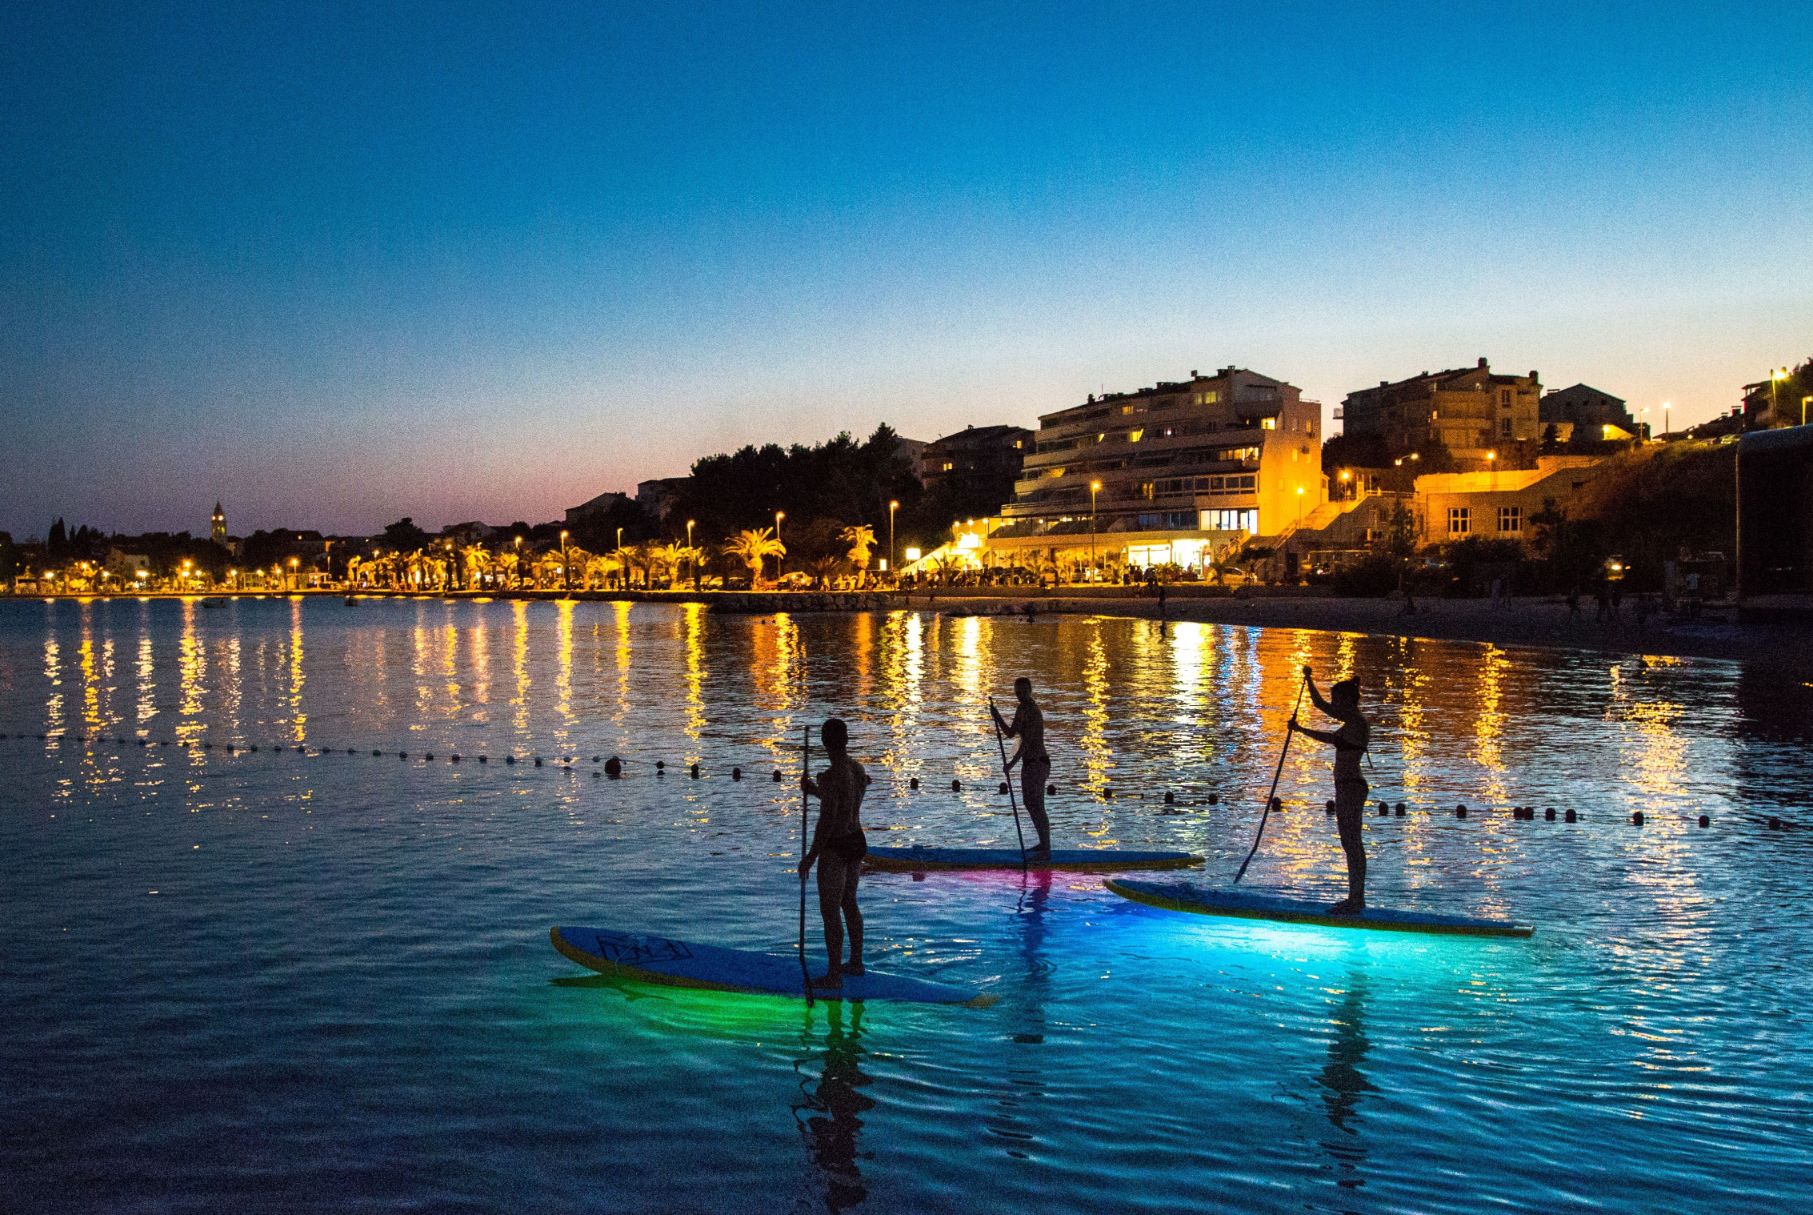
(614, 767)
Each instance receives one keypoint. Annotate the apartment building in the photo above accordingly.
(1173, 474)
(1469, 410)
(977, 466)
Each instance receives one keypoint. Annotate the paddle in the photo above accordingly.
(805, 762)
(1007, 778)
(1274, 792)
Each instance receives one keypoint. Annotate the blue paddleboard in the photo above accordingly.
(1182, 896)
(919, 859)
(683, 964)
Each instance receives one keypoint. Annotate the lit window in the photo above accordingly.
(1510, 520)
(1268, 423)
(1460, 520)
(1134, 436)
(948, 466)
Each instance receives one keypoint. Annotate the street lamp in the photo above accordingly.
(1095, 487)
(295, 579)
(893, 564)
(780, 556)
(691, 555)
(1775, 379)
(1665, 426)
(566, 567)
(519, 563)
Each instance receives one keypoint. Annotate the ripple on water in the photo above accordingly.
(342, 992)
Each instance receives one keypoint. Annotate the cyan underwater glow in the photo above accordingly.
(255, 978)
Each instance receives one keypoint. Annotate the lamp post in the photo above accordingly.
(893, 563)
(779, 557)
(519, 563)
(1665, 426)
(1095, 487)
(691, 555)
(623, 573)
(566, 567)
(295, 584)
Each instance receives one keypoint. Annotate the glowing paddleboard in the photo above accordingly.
(683, 964)
(1182, 896)
(918, 859)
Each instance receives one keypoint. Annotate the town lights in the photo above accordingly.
(1095, 487)
(893, 505)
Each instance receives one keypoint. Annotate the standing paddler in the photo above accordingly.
(838, 846)
(1350, 743)
(1028, 726)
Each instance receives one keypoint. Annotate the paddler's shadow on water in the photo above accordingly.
(1014, 1120)
(1343, 1084)
(829, 1111)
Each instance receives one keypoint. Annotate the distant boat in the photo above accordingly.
(351, 600)
(213, 601)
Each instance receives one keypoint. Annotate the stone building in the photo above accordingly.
(1469, 410)
(976, 467)
(1586, 409)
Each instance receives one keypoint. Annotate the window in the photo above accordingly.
(1268, 423)
(948, 466)
(1208, 398)
(1504, 428)
(1230, 521)
(1460, 520)
(1510, 520)
(1145, 490)
(1504, 398)
(1018, 444)
(1134, 436)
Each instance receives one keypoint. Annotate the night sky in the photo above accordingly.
(335, 264)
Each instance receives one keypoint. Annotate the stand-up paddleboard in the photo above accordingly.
(919, 859)
(1181, 896)
(683, 964)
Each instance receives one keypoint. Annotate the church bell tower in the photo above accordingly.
(219, 525)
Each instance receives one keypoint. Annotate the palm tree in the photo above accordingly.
(478, 562)
(666, 557)
(861, 539)
(824, 569)
(752, 546)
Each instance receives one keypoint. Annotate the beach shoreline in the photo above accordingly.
(1541, 621)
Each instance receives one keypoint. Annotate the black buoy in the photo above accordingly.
(956, 786)
(1328, 807)
(1399, 810)
(1214, 799)
(613, 767)
(482, 759)
(777, 776)
(1051, 790)
(1460, 811)
(594, 759)
(402, 755)
(429, 758)
(1636, 819)
(1003, 788)
(695, 771)
(1705, 820)
(913, 782)
(1549, 814)
(538, 761)
(509, 759)
(1277, 805)
(231, 750)
(736, 774)
(454, 759)
(1572, 817)
(253, 748)
(374, 754)
(1775, 824)
(1384, 810)
(1108, 794)
(660, 765)
(1170, 798)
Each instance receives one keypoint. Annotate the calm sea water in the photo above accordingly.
(280, 981)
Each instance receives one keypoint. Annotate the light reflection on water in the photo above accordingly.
(343, 984)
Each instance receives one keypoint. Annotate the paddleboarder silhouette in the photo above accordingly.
(1350, 743)
(838, 846)
(1028, 725)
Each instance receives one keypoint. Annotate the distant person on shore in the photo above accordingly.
(1602, 591)
(1349, 742)
(1028, 726)
(838, 846)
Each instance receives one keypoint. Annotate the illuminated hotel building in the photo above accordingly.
(1179, 473)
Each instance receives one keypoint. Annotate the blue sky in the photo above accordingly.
(334, 264)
